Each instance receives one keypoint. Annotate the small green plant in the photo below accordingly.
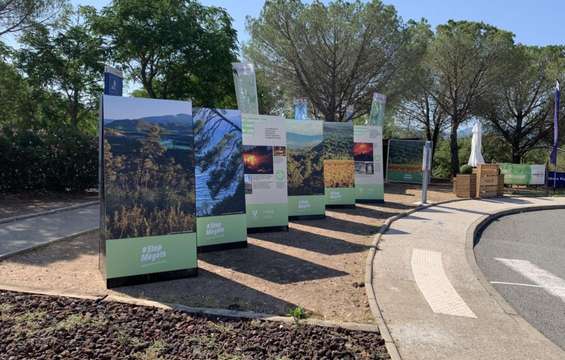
(297, 313)
(466, 169)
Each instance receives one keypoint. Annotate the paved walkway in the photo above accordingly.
(431, 299)
(27, 233)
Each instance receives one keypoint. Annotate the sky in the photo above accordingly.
(533, 22)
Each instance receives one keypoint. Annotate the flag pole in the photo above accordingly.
(553, 157)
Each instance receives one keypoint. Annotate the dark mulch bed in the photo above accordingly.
(46, 327)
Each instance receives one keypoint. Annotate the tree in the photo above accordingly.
(520, 107)
(175, 48)
(465, 60)
(336, 55)
(18, 15)
(67, 60)
(417, 105)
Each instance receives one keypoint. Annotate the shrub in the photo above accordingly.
(57, 160)
(466, 169)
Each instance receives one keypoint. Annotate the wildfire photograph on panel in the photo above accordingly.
(363, 152)
(258, 159)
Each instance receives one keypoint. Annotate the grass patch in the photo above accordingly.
(153, 352)
(78, 320)
(223, 328)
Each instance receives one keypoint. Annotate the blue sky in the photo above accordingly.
(533, 22)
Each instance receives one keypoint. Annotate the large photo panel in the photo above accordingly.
(220, 187)
(368, 157)
(405, 161)
(339, 165)
(265, 169)
(148, 211)
(306, 196)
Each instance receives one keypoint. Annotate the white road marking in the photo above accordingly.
(520, 284)
(430, 277)
(551, 283)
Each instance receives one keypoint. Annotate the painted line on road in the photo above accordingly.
(427, 267)
(551, 283)
(521, 284)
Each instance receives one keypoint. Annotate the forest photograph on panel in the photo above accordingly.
(339, 168)
(305, 158)
(148, 167)
(220, 188)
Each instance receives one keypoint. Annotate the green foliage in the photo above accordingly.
(16, 15)
(466, 169)
(336, 54)
(58, 160)
(68, 60)
(175, 48)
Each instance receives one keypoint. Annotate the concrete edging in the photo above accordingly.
(371, 294)
(47, 212)
(237, 314)
(474, 232)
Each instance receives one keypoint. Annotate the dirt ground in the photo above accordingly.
(318, 265)
(29, 203)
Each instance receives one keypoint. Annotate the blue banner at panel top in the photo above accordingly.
(559, 181)
(113, 81)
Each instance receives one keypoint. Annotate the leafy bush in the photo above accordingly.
(466, 169)
(56, 160)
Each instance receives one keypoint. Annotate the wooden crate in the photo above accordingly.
(487, 180)
(500, 187)
(465, 185)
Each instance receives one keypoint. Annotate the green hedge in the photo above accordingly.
(60, 160)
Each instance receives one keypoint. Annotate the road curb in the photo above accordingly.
(211, 312)
(37, 246)
(374, 305)
(474, 232)
(47, 212)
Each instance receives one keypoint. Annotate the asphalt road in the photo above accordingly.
(523, 256)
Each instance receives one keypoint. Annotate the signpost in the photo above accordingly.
(368, 157)
(305, 150)
(265, 165)
(147, 229)
(523, 174)
(405, 161)
(339, 166)
(220, 188)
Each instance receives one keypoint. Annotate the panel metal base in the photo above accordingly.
(267, 229)
(370, 201)
(307, 217)
(148, 278)
(223, 246)
(348, 206)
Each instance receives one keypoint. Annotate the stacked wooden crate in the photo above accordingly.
(487, 180)
(465, 185)
(500, 188)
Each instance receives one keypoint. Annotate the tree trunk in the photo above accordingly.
(454, 149)
(434, 139)
(516, 155)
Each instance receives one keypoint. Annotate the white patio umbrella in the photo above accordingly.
(476, 157)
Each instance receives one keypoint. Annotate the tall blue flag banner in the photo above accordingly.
(300, 109)
(113, 81)
(555, 125)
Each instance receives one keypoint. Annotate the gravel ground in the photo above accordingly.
(33, 327)
(318, 265)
